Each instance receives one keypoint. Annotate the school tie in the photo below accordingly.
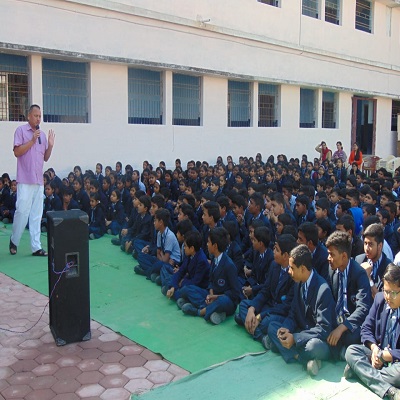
(282, 276)
(162, 243)
(391, 325)
(304, 292)
(374, 266)
(340, 300)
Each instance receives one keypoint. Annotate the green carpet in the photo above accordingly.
(130, 304)
(258, 377)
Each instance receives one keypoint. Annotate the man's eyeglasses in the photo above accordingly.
(391, 293)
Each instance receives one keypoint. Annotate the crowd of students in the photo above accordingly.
(298, 251)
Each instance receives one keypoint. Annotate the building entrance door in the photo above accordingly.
(364, 124)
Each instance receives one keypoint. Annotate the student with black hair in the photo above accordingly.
(302, 336)
(376, 361)
(272, 302)
(97, 221)
(222, 295)
(351, 291)
(256, 272)
(346, 224)
(308, 235)
(194, 270)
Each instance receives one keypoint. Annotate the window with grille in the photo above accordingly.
(310, 8)
(239, 101)
(307, 108)
(364, 15)
(329, 110)
(186, 99)
(13, 88)
(145, 96)
(395, 111)
(65, 91)
(274, 3)
(268, 105)
(332, 11)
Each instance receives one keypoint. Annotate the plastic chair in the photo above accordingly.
(393, 164)
(383, 162)
(369, 165)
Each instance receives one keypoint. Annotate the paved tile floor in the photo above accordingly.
(32, 367)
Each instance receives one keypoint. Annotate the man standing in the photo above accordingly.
(32, 148)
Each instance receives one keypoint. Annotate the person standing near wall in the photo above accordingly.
(32, 148)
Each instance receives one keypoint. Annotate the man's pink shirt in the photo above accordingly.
(30, 165)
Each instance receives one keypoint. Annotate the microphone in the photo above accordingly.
(38, 127)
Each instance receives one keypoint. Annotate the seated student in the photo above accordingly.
(106, 189)
(215, 189)
(343, 207)
(51, 203)
(351, 291)
(186, 211)
(4, 192)
(376, 361)
(277, 208)
(239, 209)
(302, 336)
(346, 224)
(256, 209)
(384, 218)
(391, 207)
(141, 227)
(287, 191)
(80, 196)
(129, 219)
(233, 250)
(353, 195)
(211, 217)
(374, 261)
(256, 272)
(282, 221)
(340, 172)
(168, 251)
(303, 213)
(272, 302)
(68, 203)
(7, 211)
(324, 229)
(97, 220)
(222, 295)
(368, 211)
(182, 228)
(371, 198)
(95, 187)
(194, 270)
(115, 214)
(323, 211)
(308, 235)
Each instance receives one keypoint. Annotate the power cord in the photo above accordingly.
(66, 268)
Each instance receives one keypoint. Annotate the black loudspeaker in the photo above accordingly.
(68, 258)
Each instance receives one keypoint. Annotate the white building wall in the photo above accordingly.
(244, 39)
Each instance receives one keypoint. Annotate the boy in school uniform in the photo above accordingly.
(302, 336)
(256, 273)
(308, 234)
(142, 225)
(351, 291)
(376, 362)
(168, 250)
(211, 216)
(194, 270)
(272, 303)
(222, 295)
